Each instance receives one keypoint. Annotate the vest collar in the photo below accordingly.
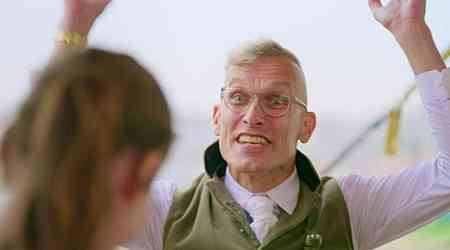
(215, 166)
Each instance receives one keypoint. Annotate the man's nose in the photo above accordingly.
(254, 116)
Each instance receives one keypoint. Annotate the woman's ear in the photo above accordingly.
(132, 173)
(123, 178)
(148, 168)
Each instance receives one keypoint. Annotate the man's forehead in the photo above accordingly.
(280, 76)
(264, 83)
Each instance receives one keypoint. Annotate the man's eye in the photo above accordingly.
(277, 101)
(237, 98)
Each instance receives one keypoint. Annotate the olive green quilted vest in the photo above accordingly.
(205, 216)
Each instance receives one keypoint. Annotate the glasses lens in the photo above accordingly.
(236, 99)
(272, 104)
(275, 104)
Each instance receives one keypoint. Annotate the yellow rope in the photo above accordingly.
(391, 142)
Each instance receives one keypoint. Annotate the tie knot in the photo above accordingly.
(259, 204)
(262, 210)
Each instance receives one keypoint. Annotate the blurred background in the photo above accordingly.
(354, 69)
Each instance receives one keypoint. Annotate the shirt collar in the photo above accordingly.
(284, 195)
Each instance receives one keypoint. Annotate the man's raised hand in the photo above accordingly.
(397, 15)
(405, 19)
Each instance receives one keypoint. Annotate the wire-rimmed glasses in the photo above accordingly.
(273, 104)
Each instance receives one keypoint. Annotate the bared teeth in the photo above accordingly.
(253, 139)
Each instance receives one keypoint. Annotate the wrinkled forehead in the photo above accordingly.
(273, 73)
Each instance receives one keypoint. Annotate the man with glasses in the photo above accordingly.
(259, 191)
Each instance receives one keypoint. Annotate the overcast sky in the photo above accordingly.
(353, 66)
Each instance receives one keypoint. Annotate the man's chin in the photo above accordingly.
(251, 165)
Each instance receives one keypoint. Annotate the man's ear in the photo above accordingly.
(309, 122)
(216, 113)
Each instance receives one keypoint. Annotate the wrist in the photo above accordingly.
(71, 39)
(416, 41)
(77, 23)
(412, 32)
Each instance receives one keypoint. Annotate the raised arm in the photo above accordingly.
(78, 19)
(386, 208)
(405, 20)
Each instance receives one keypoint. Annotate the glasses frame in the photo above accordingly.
(292, 99)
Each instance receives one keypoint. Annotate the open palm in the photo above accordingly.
(397, 13)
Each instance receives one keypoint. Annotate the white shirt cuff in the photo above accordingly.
(434, 85)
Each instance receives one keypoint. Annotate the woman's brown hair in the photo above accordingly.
(84, 109)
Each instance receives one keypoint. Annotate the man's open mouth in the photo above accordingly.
(252, 139)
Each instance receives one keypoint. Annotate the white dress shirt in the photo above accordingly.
(283, 194)
(381, 209)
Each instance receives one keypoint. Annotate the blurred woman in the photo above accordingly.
(90, 137)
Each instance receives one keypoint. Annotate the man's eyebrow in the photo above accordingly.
(229, 82)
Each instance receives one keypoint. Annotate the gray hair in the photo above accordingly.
(248, 52)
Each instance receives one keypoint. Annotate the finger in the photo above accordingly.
(375, 4)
